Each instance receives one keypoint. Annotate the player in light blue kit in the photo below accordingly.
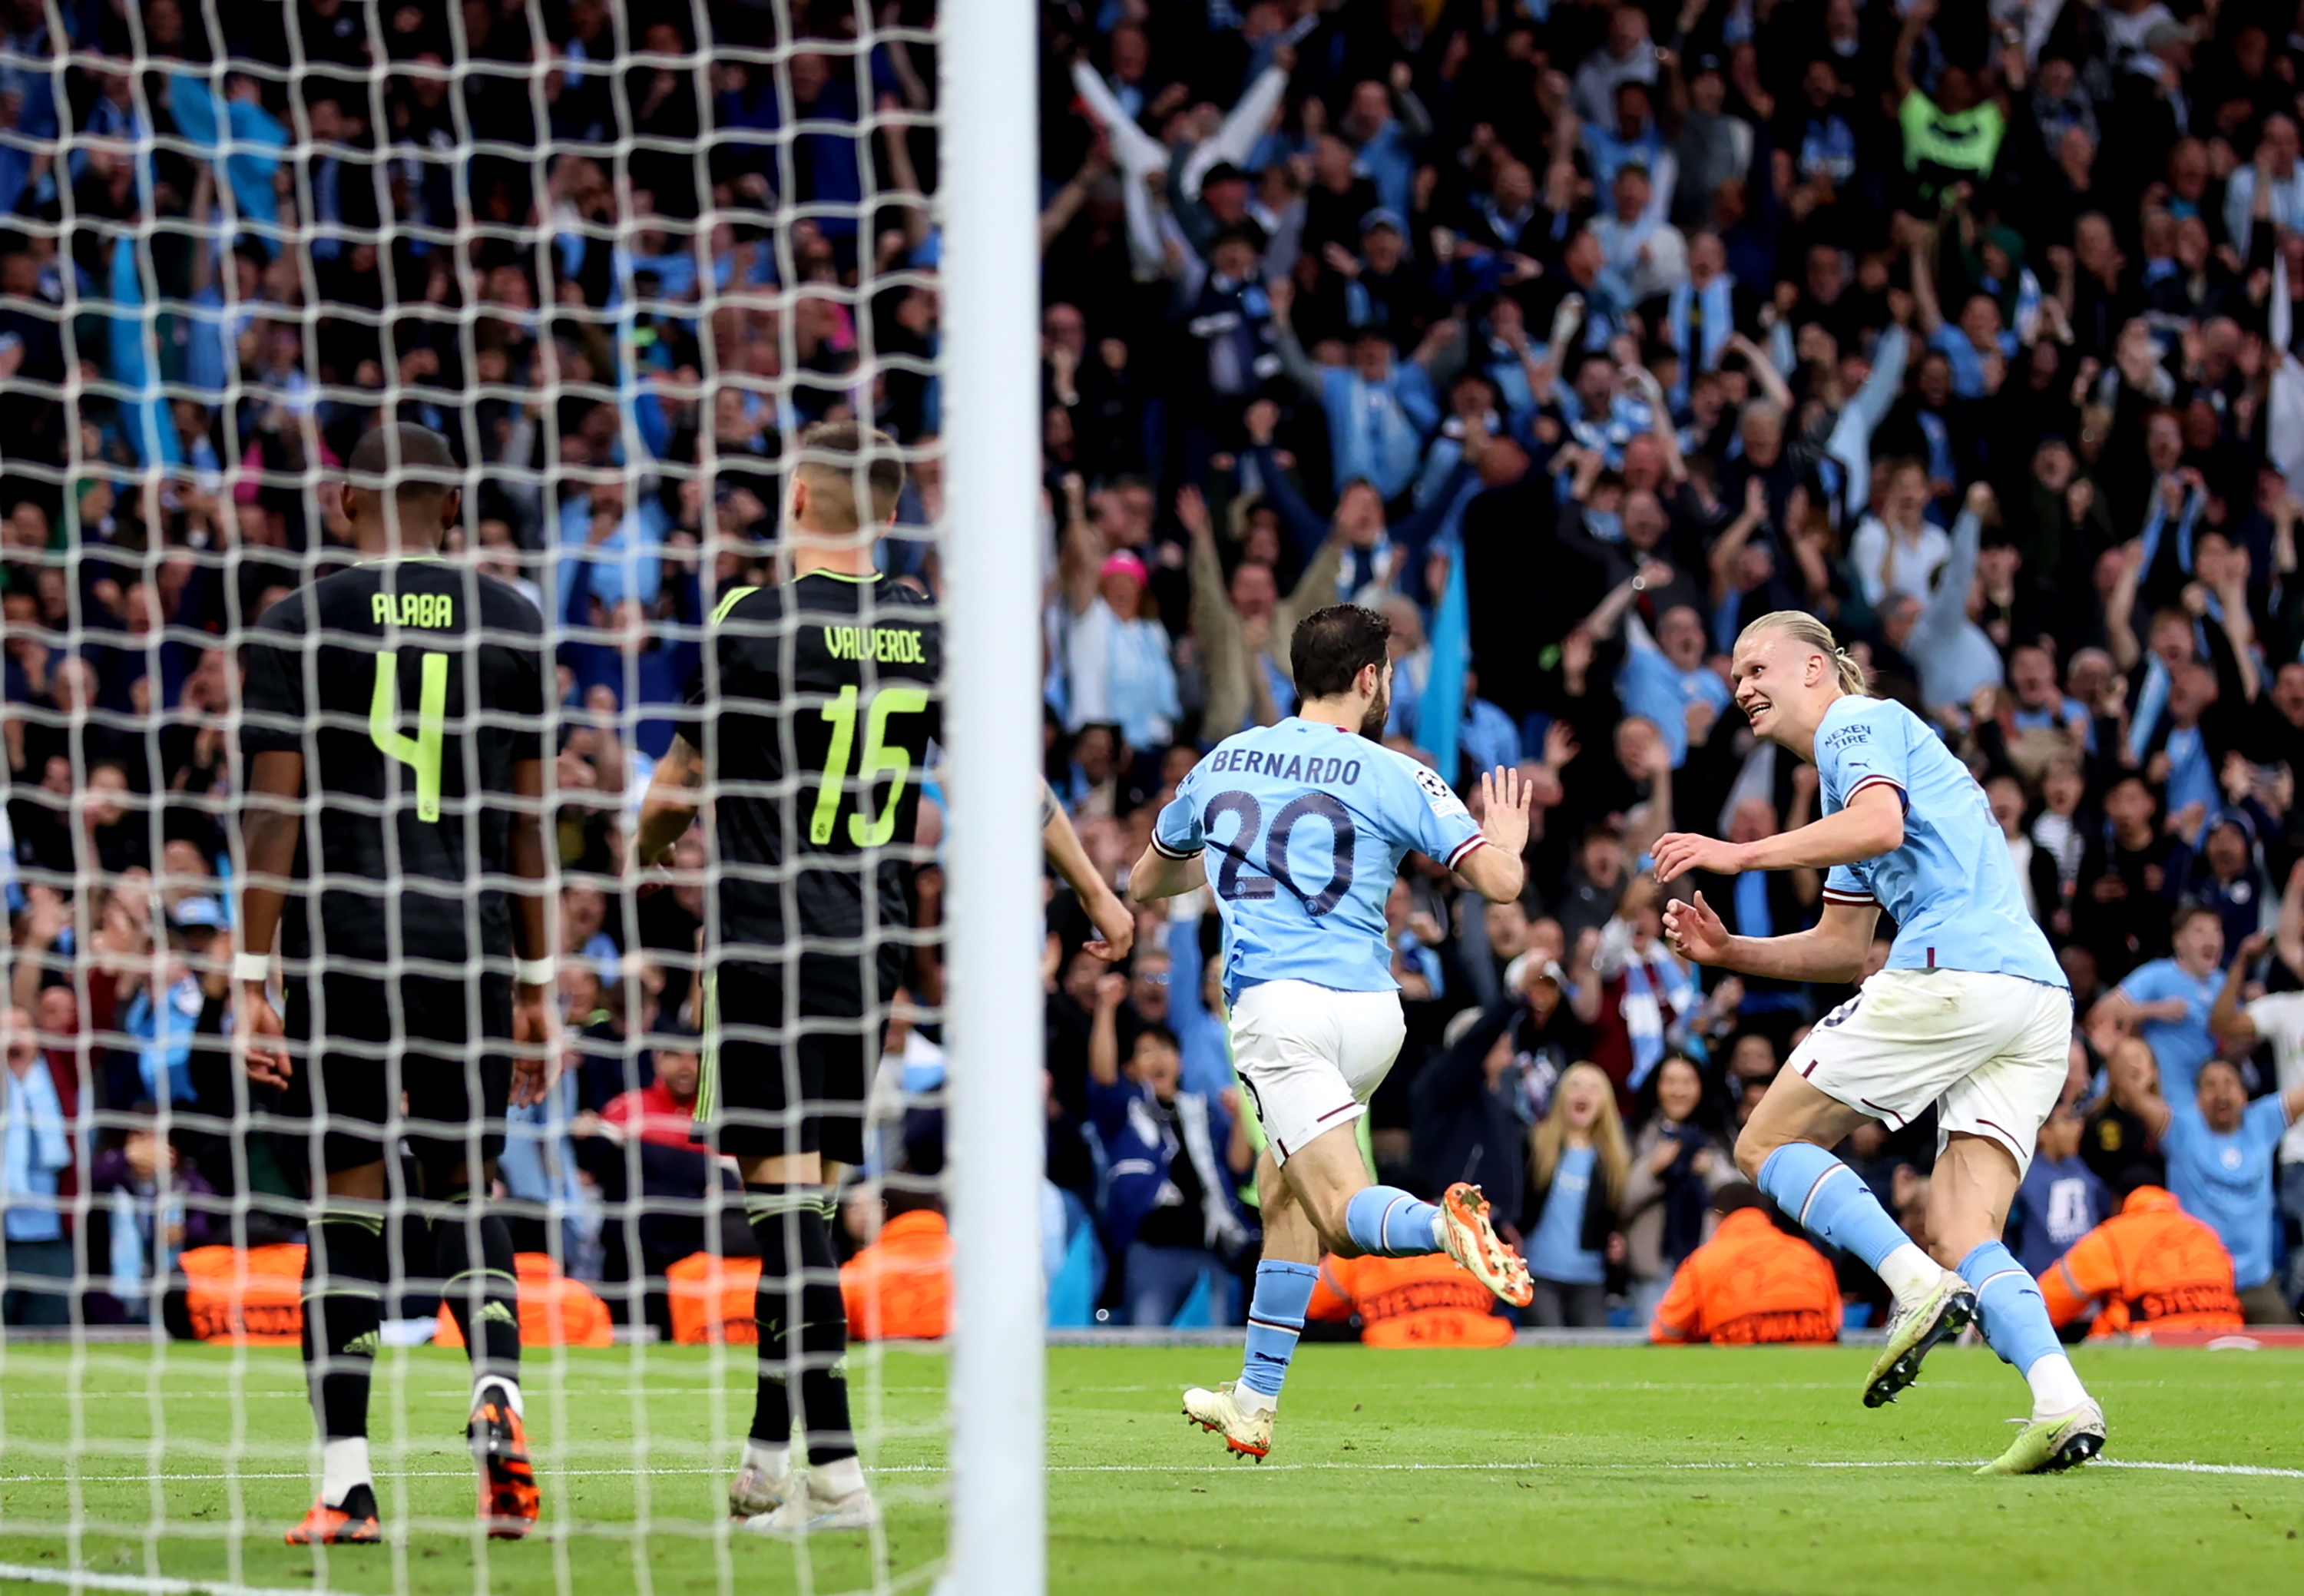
(1972, 1014)
(1302, 826)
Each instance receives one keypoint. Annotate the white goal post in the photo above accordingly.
(990, 213)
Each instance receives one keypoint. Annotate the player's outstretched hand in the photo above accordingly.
(1694, 932)
(263, 1053)
(1115, 928)
(651, 876)
(1504, 797)
(1677, 853)
(535, 1034)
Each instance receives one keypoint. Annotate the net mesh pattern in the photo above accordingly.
(619, 256)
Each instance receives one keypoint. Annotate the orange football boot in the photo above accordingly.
(1472, 1241)
(352, 1525)
(509, 1499)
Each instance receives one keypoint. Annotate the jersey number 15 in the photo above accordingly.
(879, 757)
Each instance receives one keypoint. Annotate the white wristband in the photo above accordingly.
(251, 966)
(534, 973)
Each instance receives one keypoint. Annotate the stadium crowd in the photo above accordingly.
(1571, 336)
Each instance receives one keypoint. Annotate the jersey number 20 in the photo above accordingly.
(879, 757)
(421, 752)
(1232, 885)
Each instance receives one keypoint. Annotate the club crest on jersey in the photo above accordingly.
(1438, 796)
(430, 610)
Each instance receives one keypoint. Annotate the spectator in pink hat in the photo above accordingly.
(1111, 661)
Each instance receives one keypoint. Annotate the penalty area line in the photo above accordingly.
(2244, 1470)
(2256, 1471)
(146, 1584)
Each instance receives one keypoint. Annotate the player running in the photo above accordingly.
(400, 702)
(817, 709)
(1310, 821)
(1971, 1013)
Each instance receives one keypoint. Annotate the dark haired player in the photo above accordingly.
(816, 711)
(1311, 819)
(400, 702)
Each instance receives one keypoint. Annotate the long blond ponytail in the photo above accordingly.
(1805, 629)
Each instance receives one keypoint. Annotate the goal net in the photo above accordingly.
(621, 258)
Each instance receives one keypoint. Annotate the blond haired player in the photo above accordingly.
(814, 714)
(1972, 1015)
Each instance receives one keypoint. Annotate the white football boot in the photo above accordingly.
(834, 1497)
(1246, 1431)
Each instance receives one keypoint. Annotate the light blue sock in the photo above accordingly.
(1831, 1202)
(2009, 1310)
(1275, 1317)
(1389, 1223)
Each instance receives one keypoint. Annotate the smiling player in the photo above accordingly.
(1972, 1014)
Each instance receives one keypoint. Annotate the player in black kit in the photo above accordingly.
(399, 703)
(812, 722)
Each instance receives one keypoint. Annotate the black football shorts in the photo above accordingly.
(358, 1044)
(781, 1079)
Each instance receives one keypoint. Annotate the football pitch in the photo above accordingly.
(1615, 1470)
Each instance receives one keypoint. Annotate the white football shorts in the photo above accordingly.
(1990, 1051)
(1309, 1058)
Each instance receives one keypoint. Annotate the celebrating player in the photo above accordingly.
(400, 700)
(1310, 821)
(816, 713)
(1972, 1014)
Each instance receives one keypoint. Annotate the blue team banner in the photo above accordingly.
(1440, 711)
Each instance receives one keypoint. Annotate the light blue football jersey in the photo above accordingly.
(1949, 888)
(1305, 825)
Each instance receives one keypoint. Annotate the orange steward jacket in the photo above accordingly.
(1410, 1302)
(1750, 1282)
(2151, 1264)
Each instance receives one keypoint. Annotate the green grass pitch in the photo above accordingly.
(1612, 1470)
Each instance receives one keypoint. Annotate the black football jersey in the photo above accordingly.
(813, 711)
(412, 687)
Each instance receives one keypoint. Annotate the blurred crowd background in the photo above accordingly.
(1571, 335)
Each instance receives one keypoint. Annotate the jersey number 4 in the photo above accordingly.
(879, 757)
(421, 752)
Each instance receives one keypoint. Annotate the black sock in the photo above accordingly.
(343, 1305)
(823, 1341)
(488, 1291)
(773, 1212)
